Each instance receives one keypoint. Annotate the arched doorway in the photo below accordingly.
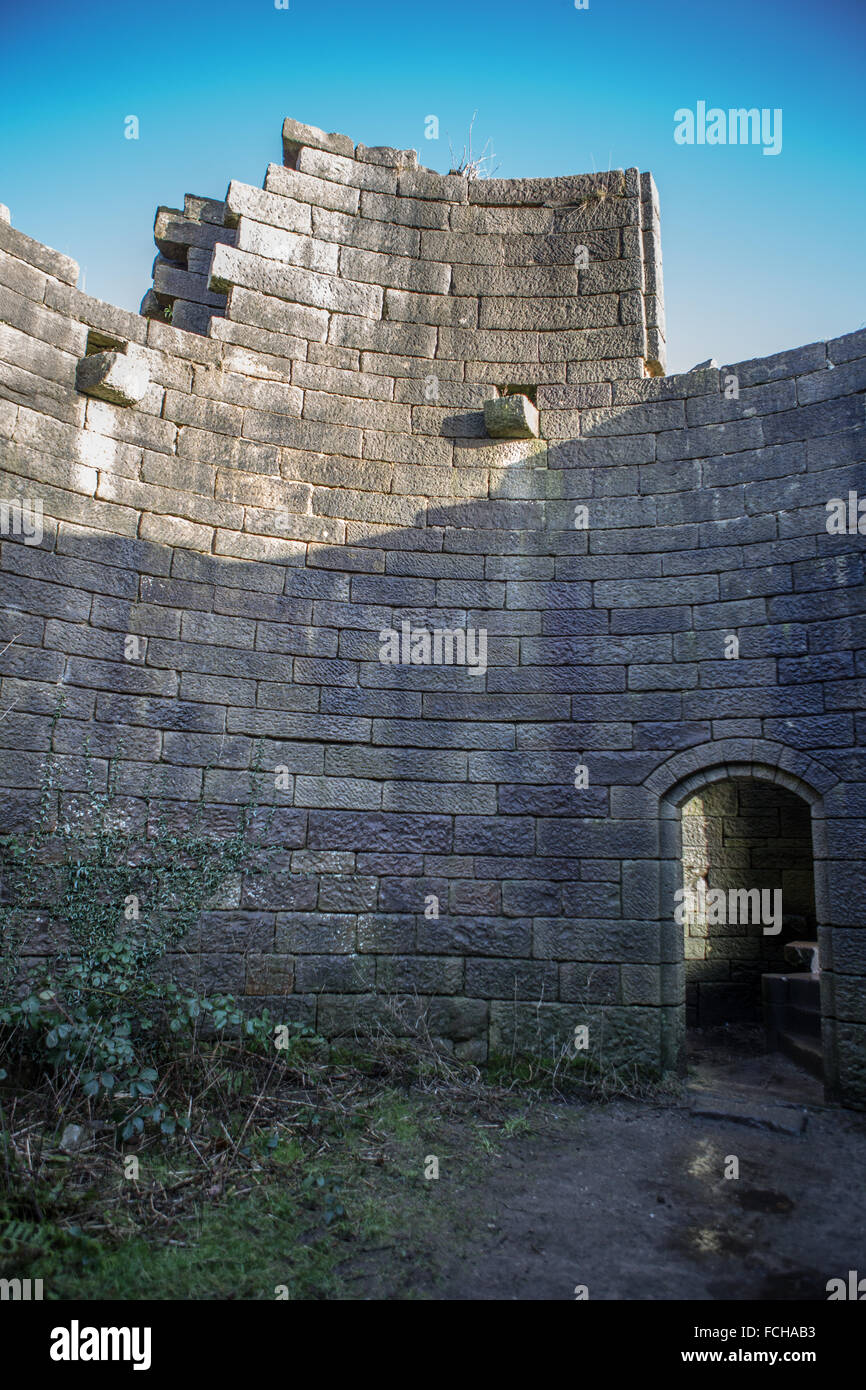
(761, 764)
(751, 957)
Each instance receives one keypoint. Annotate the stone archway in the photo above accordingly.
(711, 770)
(749, 920)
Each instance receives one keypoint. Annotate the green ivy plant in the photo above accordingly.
(101, 1009)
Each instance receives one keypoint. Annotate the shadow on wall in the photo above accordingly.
(478, 838)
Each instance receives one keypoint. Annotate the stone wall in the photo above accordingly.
(313, 470)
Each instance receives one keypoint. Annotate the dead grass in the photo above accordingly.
(329, 1144)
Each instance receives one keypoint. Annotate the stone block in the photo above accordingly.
(279, 244)
(384, 154)
(386, 932)
(269, 973)
(459, 1019)
(511, 979)
(232, 267)
(641, 984)
(332, 974)
(339, 169)
(116, 377)
(53, 263)
(297, 136)
(589, 984)
(511, 417)
(272, 209)
(405, 211)
(426, 183)
(424, 974)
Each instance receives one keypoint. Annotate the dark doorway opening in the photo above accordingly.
(750, 927)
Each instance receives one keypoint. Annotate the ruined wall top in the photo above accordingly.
(517, 281)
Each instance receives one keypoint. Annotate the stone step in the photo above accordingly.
(783, 992)
(795, 1020)
(707, 1103)
(804, 954)
(803, 1049)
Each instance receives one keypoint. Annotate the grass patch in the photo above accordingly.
(309, 1184)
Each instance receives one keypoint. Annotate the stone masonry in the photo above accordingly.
(297, 462)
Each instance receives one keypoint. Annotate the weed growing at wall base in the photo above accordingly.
(114, 902)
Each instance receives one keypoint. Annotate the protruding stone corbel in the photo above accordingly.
(511, 417)
(113, 375)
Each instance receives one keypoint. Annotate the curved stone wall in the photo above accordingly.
(282, 503)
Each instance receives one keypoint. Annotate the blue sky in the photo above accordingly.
(760, 253)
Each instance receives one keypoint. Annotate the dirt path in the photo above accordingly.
(630, 1199)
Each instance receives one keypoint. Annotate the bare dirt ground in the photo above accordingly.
(630, 1198)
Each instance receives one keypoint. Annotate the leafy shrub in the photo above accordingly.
(103, 1010)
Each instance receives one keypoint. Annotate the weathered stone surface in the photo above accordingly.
(511, 417)
(271, 209)
(425, 183)
(305, 475)
(114, 377)
(296, 136)
(269, 974)
(231, 267)
(384, 154)
(33, 253)
(307, 188)
(339, 169)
